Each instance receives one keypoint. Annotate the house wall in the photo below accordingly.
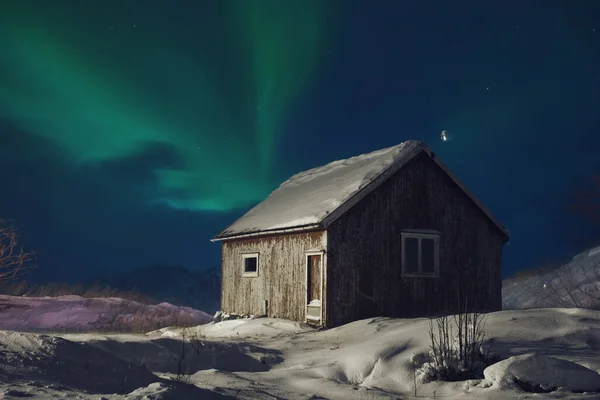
(367, 240)
(281, 277)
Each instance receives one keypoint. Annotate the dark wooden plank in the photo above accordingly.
(367, 237)
(281, 274)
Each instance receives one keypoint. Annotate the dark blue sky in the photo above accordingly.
(131, 133)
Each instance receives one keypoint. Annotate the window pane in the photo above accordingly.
(411, 255)
(250, 264)
(428, 256)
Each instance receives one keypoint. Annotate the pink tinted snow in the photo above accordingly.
(78, 313)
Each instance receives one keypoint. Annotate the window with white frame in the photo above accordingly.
(420, 254)
(250, 264)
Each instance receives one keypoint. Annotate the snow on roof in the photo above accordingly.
(314, 198)
(308, 197)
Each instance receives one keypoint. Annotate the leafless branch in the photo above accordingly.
(14, 259)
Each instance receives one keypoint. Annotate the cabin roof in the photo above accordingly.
(315, 198)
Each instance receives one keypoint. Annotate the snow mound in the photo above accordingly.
(541, 373)
(28, 356)
(372, 353)
(238, 328)
(75, 313)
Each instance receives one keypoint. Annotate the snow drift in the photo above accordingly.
(76, 365)
(551, 350)
(308, 197)
(540, 373)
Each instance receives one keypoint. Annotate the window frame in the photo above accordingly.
(307, 303)
(420, 235)
(250, 274)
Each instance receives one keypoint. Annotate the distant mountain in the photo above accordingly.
(173, 284)
(574, 284)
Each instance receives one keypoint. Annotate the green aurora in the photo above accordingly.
(210, 85)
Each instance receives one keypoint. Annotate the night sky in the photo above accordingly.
(132, 131)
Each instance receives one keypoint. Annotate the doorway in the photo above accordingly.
(314, 286)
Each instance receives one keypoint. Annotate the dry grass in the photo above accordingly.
(130, 314)
(55, 289)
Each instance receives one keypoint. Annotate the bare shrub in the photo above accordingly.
(14, 259)
(455, 350)
(190, 342)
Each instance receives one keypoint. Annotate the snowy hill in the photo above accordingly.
(157, 284)
(575, 284)
(78, 314)
(555, 351)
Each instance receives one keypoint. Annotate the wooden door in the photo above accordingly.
(314, 286)
(314, 277)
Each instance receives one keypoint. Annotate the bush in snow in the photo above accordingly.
(456, 349)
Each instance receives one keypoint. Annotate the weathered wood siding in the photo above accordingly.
(366, 240)
(281, 277)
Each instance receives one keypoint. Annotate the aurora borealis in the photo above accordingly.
(132, 131)
(102, 86)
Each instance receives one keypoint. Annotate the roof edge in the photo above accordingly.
(416, 148)
(299, 228)
(469, 194)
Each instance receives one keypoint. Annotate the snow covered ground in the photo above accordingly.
(552, 349)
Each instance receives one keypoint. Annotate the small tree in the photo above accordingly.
(456, 350)
(14, 259)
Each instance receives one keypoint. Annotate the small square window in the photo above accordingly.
(250, 264)
(420, 254)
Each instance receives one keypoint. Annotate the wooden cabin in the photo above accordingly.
(389, 233)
